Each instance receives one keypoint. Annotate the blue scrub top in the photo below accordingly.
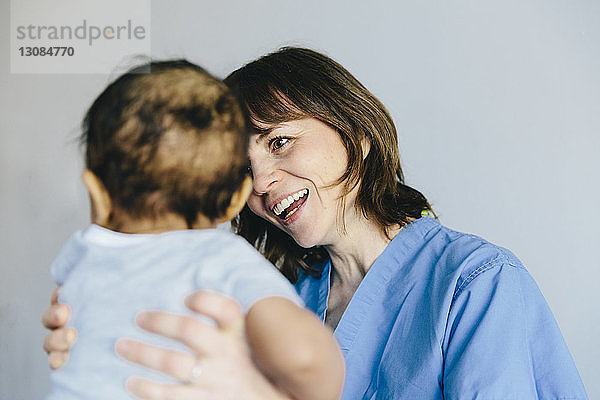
(447, 315)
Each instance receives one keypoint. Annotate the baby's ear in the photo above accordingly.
(238, 200)
(100, 201)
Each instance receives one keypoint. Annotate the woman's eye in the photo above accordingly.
(278, 143)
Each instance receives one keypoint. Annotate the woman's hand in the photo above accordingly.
(59, 340)
(222, 367)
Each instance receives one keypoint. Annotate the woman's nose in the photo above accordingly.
(264, 175)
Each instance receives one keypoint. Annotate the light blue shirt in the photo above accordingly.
(108, 277)
(446, 315)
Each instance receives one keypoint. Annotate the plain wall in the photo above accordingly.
(497, 105)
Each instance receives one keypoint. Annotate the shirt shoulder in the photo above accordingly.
(494, 294)
(478, 256)
(465, 254)
(67, 258)
(236, 269)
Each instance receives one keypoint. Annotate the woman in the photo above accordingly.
(420, 311)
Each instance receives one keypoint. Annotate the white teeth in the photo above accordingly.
(285, 203)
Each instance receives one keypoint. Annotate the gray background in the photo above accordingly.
(497, 106)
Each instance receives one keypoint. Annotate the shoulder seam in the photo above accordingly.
(497, 261)
(473, 275)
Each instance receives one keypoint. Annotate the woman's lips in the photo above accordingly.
(287, 206)
(293, 207)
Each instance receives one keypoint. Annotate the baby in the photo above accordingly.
(166, 162)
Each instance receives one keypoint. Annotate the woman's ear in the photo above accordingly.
(100, 201)
(238, 200)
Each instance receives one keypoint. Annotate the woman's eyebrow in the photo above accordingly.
(266, 131)
(263, 134)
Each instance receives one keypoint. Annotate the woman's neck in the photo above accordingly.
(357, 248)
(352, 255)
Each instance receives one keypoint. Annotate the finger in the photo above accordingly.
(190, 331)
(224, 310)
(54, 298)
(59, 340)
(57, 359)
(56, 316)
(176, 364)
(149, 390)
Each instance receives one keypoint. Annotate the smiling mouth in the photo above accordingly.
(288, 206)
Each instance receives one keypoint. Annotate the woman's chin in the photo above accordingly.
(305, 245)
(306, 240)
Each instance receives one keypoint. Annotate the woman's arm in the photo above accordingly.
(502, 340)
(222, 368)
(228, 371)
(295, 350)
(59, 340)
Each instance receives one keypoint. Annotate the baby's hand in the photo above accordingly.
(59, 340)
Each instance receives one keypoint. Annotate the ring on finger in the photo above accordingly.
(195, 372)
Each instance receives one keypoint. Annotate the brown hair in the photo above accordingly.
(167, 136)
(295, 83)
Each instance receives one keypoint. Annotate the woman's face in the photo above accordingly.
(292, 167)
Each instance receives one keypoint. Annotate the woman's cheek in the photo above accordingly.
(256, 206)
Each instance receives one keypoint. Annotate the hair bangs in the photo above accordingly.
(267, 107)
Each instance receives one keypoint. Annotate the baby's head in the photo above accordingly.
(166, 148)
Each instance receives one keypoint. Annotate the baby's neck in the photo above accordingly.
(164, 223)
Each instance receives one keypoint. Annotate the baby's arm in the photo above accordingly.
(295, 350)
